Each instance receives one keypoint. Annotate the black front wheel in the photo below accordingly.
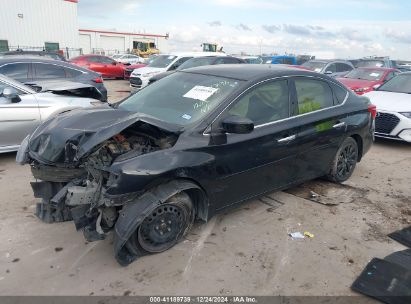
(345, 161)
(164, 227)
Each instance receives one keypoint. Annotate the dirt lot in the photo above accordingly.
(246, 251)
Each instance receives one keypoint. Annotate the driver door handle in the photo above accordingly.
(286, 139)
(339, 125)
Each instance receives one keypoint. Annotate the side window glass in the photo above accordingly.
(230, 60)
(106, 60)
(91, 59)
(342, 67)
(340, 93)
(389, 76)
(178, 63)
(266, 103)
(312, 95)
(331, 68)
(18, 71)
(48, 71)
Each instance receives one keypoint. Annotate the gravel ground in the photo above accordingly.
(245, 251)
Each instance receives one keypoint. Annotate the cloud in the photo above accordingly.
(271, 28)
(398, 36)
(243, 27)
(352, 34)
(306, 4)
(214, 23)
(315, 27)
(296, 29)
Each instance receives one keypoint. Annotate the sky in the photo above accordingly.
(327, 29)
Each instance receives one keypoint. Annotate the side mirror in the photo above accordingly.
(11, 94)
(114, 63)
(237, 124)
(328, 72)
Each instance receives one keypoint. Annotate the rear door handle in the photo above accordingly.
(339, 125)
(286, 139)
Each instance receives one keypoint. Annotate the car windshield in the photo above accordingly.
(365, 74)
(399, 84)
(370, 63)
(181, 98)
(194, 62)
(314, 65)
(162, 61)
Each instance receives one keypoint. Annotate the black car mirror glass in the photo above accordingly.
(237, 124)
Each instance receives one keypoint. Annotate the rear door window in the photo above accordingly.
(331, 68)
(48, 71)
(230, 60)
(342, 67)
(312, 95)
(18, 71)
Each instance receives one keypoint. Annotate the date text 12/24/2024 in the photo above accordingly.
(203, 299)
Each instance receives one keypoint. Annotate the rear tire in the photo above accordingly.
(164, 227)
(344, 162)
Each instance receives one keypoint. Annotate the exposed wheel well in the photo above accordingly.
(200, 202)
(358, 139)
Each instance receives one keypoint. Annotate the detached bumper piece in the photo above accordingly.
(402, 236)
(385, 281)
(51, 209)
(389, 280)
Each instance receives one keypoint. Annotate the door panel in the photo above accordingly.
(322, 126)
(251, 164)
(17, 120)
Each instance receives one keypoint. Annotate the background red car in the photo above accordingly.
(104, 65)
(363, 80)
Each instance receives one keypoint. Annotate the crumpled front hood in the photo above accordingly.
(83, 129)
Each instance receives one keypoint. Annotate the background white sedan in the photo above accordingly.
(393, 101)
(22, 109)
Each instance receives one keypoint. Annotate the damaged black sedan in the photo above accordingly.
(191, 145)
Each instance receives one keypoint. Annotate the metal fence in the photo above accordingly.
(66, 52)
(100, 51)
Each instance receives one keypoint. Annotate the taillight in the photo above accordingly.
(373, 110)
(98, 80)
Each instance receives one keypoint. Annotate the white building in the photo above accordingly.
(53, 25)
(50, 24)
(109, 42)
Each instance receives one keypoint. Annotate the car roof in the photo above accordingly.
(41, 59)
(27, 58)
(249, 72)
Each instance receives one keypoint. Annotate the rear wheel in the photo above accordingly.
(164, 227)
(345, 161)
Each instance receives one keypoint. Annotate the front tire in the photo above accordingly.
(164, 227)
(344, 162)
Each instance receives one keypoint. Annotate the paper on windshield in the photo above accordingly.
(374, 74)
(200, 93)
(317, 70)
